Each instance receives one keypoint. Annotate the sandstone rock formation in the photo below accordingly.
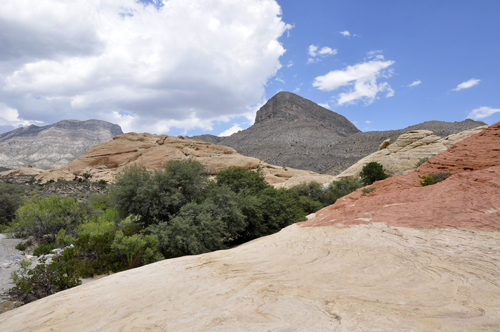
(402, 156)
(53, 145)
(402, 258)
(295, 132)
(105, 160)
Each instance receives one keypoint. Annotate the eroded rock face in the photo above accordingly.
(402, 156)
(53, 145)
(105, 160)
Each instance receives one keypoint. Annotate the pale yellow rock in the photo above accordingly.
(384, 144)
(401, 156)
(365, 278)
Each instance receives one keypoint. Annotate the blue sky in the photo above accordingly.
(193, 67)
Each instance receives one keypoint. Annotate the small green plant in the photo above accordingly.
(44, 249)
(434, 178)
(368, 190)
(44, 279)
(421, 161)
(23, 245)
(372, 172)
(86, 176)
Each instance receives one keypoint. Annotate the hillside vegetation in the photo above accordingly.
(147, 216)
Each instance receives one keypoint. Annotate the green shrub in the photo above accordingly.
(242, 181)
(44, 249)
(137, 249)
(343, 187)
(11, 198)
(368, 190)
(93, 254)
(41, 216)
(24, 245)
(44, 279)
(313, 196)
(159, 195)
(372, 172)
(434, 178)
(421, 161)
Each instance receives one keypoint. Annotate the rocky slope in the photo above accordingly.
(402, 258)
(402, 156)
(53, 145)
(105, 160)
(295, 132)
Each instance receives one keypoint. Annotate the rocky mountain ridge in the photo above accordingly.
(401, 258)
(295, 132)
(53, 145)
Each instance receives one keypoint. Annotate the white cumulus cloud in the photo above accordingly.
(234, 129)
(415, 83)
(360, 80)
(315, 52)
(325, 105)
(345, 33)
(482, 112)
(467, 84)
(185, 63)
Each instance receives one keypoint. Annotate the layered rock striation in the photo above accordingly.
(295, 132)
(53, 145)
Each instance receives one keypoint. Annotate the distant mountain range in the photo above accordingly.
(53, 145)
(295, 132)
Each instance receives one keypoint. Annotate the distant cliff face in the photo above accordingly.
(53, 145)
(295, 132)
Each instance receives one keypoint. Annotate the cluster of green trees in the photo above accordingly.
(151, 215)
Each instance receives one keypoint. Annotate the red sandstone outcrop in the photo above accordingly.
(469, 199)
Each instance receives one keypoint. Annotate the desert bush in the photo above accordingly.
(421, 161)
(43, 279)
(368, 190)
(11, 198)
(434, 178)
(137, 249)
(372, 172)
(24, 245)
(41, 216)
(343, 187)
(312, 196)
(193, 231)
(242, 181)
(44, 249)
(157, 196)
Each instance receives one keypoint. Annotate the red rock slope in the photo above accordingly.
(469, 199)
